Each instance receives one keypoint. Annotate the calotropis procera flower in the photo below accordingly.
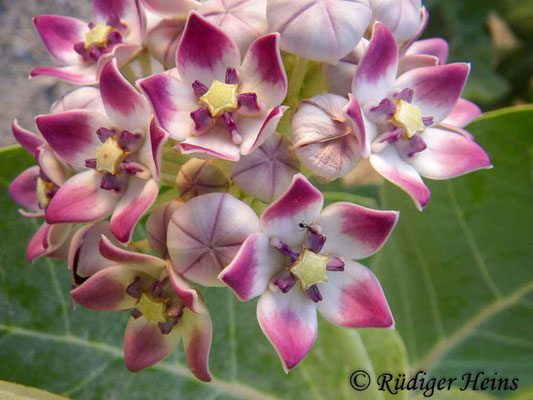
(323, 30)
(157, 226)
(267, 172)
(406, 19)
(116, 31)
(216, 106)
(205, 234)
(116, 157)
(403, 139)
(197, 177)
(302, 261)
(164, 307)
(34, 188)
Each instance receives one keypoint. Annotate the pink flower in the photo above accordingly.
(117, 31)
(164, 307)
(34, 188)
(301, 262)
(213, 105)
(323, 30)
(115, 155)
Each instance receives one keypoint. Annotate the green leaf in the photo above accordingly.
(458, 276)
(12, 391)
(77, 353)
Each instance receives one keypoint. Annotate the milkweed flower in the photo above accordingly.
(301, 262)
(323, 30)
(164, 307)
(116, 31)
(216, 106)
(115, 155)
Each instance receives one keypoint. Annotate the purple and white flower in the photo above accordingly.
(116, 31)
(213, 104)
(302, 261)
(116, 157)
(197, 177)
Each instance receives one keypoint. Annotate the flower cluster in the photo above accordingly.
(194, 123)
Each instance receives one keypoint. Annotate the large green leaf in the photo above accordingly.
(458, 276)
(78, 353)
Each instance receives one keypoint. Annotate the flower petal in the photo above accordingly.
(157, 226)
(50, 241)
(197, 334)
(462, 113)
(137, 199)
(253, 267)
(186, 292)
(289, 322)
(205, 234)
(76, 74)
(151, 153)
(59, 34)
(171, 8)
(27, 139)
(128, 16)
(243, 21)
(448, 154)
(163, 39)
(377, 70)
(433, 47)
(353, 298)
(342, 23)
(217, 143)
(262, 71)
(87, 98)
(436, 89)
(172, 101)
(413, 61)
(124, 105)
(256, 130)
(389, 165)
(402, 17)
(23, 189)
(50, 165)
(205, 52)
(353, 231)
(301, 203)
(145, 345)
(81, 200)
(72, 134)
(106, 289)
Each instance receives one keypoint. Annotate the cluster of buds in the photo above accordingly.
(183, 127)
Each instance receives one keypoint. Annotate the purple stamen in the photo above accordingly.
(111, 182)
(285, 280)
(199, 88)
(203, 121)
(232, 127)
(114, 37)
(166, 327)
(427, 121)
(115, 22)
(95, 53)
(81, 50)
(91, 25)
(335, 263)
(384, 110)
(284, 249)
(90, 163)
(136, 313)
(247, 103)
(405, 94)
(314, 241)
(157, 288)
(414, 145)
(104, 133)
(385, 139)
(135, 289)
(128, 141)
(314, 293)
(231, 76)
(130, 169)
(175, 310)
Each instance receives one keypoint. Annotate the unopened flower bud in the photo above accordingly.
(157, 225)
(197, 177)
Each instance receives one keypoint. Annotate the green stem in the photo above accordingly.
(296, 81)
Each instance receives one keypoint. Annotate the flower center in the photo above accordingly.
(98, 36)
(154, 310)
(408, 118)
(109, 155)
(44, 191)
(310, 268)
(220, 98)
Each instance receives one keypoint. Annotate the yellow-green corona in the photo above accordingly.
(408, 118)
(310, 268)
(109, 156)
(43, 191)
(97, 36)
(152, 309)
(220, 98)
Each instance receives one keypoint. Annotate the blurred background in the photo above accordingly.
(494, 35)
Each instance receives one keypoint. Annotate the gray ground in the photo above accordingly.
(21, 50)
